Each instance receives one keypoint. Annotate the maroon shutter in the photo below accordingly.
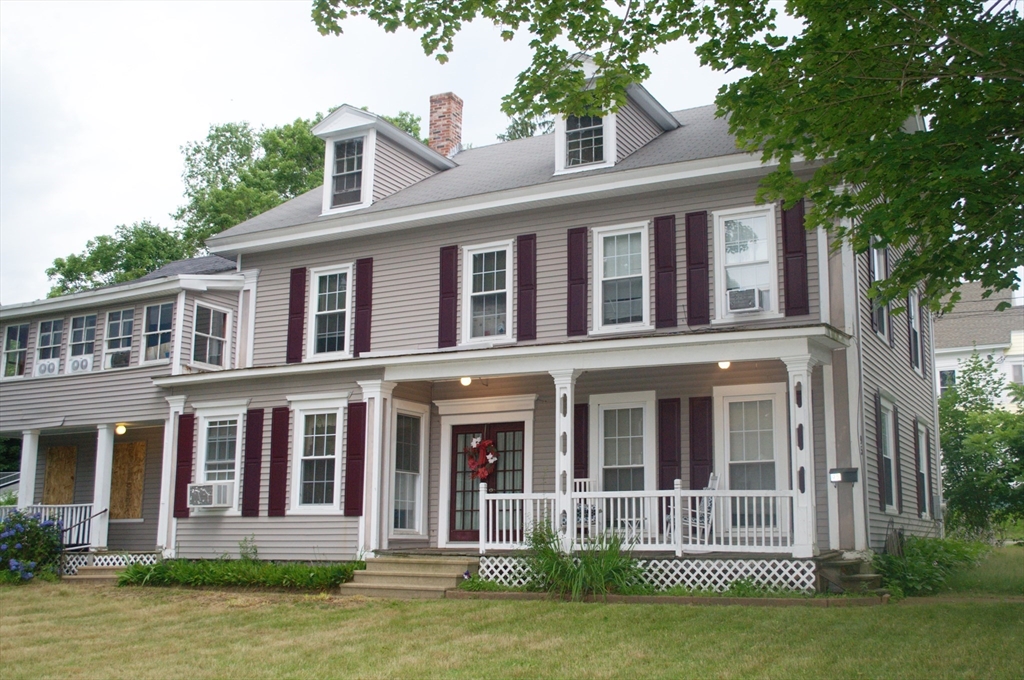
(665, 272)
(355, 458)
(698, 310)
(447, 313)
(897, 460)
(364, 305)
(670, 444)
(183, 475)
(296, 315)
(794, 249)
(701, 441)
(526, 287)
(931, 490)
(280, 419)
(576, 309)
(878, 446)
(918, 481)
(888, 315)
(581, 441)
(253, 462)
(871, 279)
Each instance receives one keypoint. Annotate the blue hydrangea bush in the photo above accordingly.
(30, 547)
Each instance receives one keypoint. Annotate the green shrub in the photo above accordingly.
(245, 573)
(30, 547)
(478, 585)
(9, 497)
(601, 567)
(925, 564)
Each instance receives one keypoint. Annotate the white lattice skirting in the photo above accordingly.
(72, 561)
(713, 575)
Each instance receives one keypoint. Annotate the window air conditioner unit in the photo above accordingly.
(744, 300)
(210, 495)
(47, 367)
(81, 364)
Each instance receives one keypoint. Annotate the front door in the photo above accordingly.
(506, 478)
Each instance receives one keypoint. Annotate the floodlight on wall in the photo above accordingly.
(120, 428)
(842, 475)
(724, 364)
(466, 381)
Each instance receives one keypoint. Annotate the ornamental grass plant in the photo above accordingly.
(30, 547)
(599, 568)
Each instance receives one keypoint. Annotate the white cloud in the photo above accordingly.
(96, 100)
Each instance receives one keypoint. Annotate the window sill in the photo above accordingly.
(743, 318)
(341, 209)
(311, 511)
(328, 356)
(204, 367)
(624, 329)
(12, 377)
(584, 167)
(156, 362)
(407, 535)
(127, 521)
(487, 342)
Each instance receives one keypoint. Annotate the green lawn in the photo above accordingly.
(1000, 573)
(73, 631)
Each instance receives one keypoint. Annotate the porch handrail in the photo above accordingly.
(75, 519)
(507, 518)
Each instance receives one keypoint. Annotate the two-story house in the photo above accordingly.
(650, 351)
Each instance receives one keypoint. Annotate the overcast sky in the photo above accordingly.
(96, 100)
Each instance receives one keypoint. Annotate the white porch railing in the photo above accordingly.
(74, 519)
(677, 520)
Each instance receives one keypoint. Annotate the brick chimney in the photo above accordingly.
(445, 123)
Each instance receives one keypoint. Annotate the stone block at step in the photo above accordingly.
(406, 578)
(448, 566)
(861, 582)
(393, 592)
(100, 572)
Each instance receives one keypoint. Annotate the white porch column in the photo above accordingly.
(166, 524)
(565, 393)
(101, 487)
(29, 460)
(802, 461)
(377, 395)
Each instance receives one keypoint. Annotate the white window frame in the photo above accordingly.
(72, 343)
(227, 336)
(314, 287)
(923, 455)
(107, 352)
(369, 153)
(888, 414)
(207, 412)
(59, 346)
(914, 326)
(467, 292)
(599, 234)
(598, 404)
(609, 123)
(421, 411)
(724, 395)
(938, 379)
(144, 335)
(3, 350)
(310, 405)
(722, 315)
(878, 270)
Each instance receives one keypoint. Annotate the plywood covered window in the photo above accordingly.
(59, 478)
(127, 478)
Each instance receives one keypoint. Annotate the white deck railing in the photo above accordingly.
(676, 520)
(73, 519)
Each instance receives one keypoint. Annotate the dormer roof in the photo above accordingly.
(348, 121)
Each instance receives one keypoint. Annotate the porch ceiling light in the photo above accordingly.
(466, 381)
(724, 364)
(121, 428)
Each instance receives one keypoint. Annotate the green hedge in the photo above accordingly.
(244, 573)
(926, 563)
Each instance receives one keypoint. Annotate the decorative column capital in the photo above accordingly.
(565, 376)
(800, 363)
(177, 403)
(374, 388)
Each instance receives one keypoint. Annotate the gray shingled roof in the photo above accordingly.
(208, 264)
(511, 165)
(974, 320)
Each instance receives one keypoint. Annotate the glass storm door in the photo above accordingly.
(465, 489)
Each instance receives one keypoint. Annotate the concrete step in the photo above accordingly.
(423, 565)
(394, 592)
(861, 582)
(405, 578)
(98, 572)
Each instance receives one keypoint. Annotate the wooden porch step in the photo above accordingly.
(95, 575)
(861, 582)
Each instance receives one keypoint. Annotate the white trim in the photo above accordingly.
(877, 268)
(421, 411)
(166, 526)
(179, 332)
(832, 492)
(454, 407)
(467, 291)
(312, 405)
(599, 234)
(721, 314)
(824, 277)
(648, 402)
(776, 392)
(136, 520)
(106, 351)
(609, 146)
(212, 411)
(914, 323)
(248, 318)
(921, 444)
(142, 337)
(369, 137)
(888, 405)
(311, 300)
(473, 412)
(227, 336)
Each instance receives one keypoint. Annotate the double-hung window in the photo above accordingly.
(487, 286)
(621, 265)
(209, 339)
(317, 438)
(624, 438)
(746, 279)
(407, 471)
(914, 328)
(750, 436)
(888, 440)
(51, 337)
(584, 140)
(947, 379)
(157, 332)
(330, 301)
(119, 338)
(82, 343)
(219, 457)
(221, 450)
(15, 350)
(922, 469)
(879, 312)
(347, 176)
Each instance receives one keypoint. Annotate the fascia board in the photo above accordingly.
(689, 348)
(652, 107)
(132, 291)
(567, 191)
(341, 120)
(414, 146)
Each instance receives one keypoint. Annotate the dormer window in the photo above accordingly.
(348, 173)
(584, 140)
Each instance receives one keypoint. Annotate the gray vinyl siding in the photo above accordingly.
(210, 534)
(633, 129)
(394, 169)
(887, 369)
(406, 267)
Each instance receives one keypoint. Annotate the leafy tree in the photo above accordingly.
(10, 454)
(837, 94)
(982, 448)
(130, 253)
(526, 126)
(408, 122)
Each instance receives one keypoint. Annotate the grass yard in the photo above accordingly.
(1001, 573)
(73, 631)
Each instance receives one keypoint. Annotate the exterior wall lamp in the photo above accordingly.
(466, 381)
(120, 428)
(842, 476)
(724, 364)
